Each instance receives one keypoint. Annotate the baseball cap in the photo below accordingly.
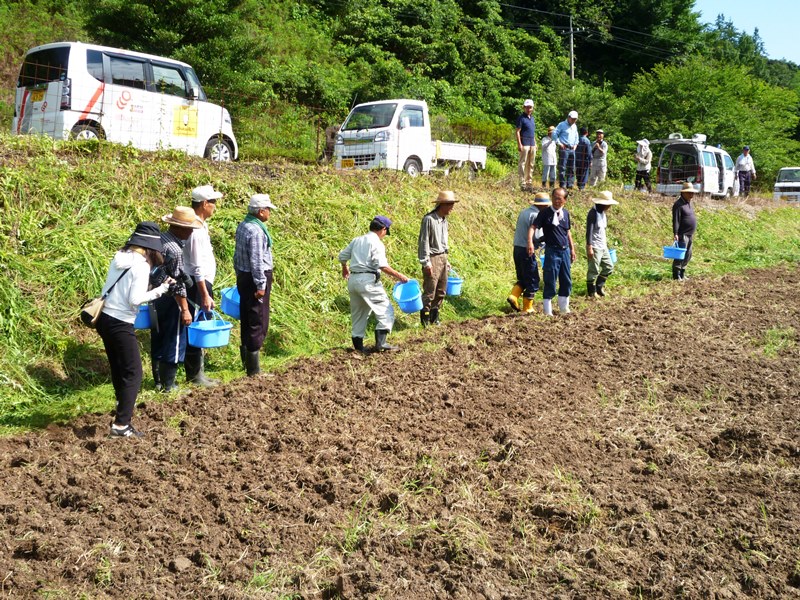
(528, 102)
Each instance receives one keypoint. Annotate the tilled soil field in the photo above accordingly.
(639, 448)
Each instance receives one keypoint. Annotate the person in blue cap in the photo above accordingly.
(745, 171)
(367, 257)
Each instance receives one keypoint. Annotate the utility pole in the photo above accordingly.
(571, 52)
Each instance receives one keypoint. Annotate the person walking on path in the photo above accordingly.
(525, 264)
(526, 143)
(559, 252)
(549, 159)
(432, 249)
(168, 336)
(745, 170)
(253, 263)
(127, 287)
(566, 137)
(367, 257)
(202, 268)
(684, 224)
(599, 155)
(583, 159)
(600, 266)
(644, 157)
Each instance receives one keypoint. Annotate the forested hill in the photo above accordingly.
(643, 68)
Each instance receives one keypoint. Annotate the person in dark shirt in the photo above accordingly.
(554, 221)
(684, 224)
(526, 143)
(583, 159)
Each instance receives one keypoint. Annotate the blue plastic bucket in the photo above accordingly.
(541, 259)
(674, 252)
(408, 296)
(142, 317)
(211, 333)
(230, 302)
(454, 283)
(613, 253)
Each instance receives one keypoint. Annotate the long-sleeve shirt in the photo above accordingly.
(173, 261)
(566, 134)
(596, 223)
(583, 153)
(199, 255)
(366, 254)
(684, 221)
(253, 253)
(745, 163)
(131, 289)
(643, 158)
(548, 151)
(432, 237)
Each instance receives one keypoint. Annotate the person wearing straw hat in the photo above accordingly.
(367, 257)
(526, 143)
(127, 287)
(202, 267)
(566, 137)
(684, 224)
(253, 262)
(600, 265)
(432, 249)
(554, 222)
(644, 157)
(597, 174)
(527, 270)
(168, 335)
(549, 159)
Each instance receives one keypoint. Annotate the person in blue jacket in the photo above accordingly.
(583, 159)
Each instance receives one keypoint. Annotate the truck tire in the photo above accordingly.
(412, 167)
(217, 149)
(86, 132)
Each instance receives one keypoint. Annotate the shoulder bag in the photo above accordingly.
(91, 309)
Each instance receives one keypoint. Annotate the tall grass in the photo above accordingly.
(65, 207)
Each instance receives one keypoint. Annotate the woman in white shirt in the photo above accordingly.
(128, 279)
(549, 160)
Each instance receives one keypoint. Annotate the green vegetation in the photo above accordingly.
(65, 208)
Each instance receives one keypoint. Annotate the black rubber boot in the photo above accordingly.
(167, 372)
(380, 341)
(676, 273)
(195, 370)
(424, 317)
(591, 291)
(601, 281)
(358, 344)
(243, 355)
(683, 275)
(434, 317)
(156, 375)
(252, 362)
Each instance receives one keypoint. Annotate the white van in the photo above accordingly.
(787, 185)
(709, 168)
(76, 90)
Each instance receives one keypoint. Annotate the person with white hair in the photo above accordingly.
(566, 138)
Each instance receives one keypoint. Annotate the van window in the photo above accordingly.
(168, 80)
(129, 73)
(708, 159)
(94, 64)
(728, 162)
(44, 66)
(682, 167)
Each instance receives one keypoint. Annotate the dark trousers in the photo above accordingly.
(527, 271)
(745, 177)
(582, 172)
(254, 314)
(557, 267)
(566, 167)
(168, 344)
(684, 241)
(642, 176)
(122, 350)
(193, 294)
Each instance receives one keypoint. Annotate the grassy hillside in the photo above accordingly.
(66, 207)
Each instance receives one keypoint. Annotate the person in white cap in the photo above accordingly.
(600, 265)
(526, 143)
(643, 156)
(252, 260)
(566, 138)
(202, 268)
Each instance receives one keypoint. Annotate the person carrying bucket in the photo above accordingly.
(367, 257)
(684, 224)
(432, 248)
(600, 265)
(525, 264)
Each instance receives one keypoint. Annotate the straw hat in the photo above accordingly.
(605, 198)
(551, 129)
(688, 187)
(541, 199)
(183, 216)
(446, 197)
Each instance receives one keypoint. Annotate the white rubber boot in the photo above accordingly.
(547, 307)
(563, 305)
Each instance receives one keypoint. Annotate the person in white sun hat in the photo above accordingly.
(600, 266)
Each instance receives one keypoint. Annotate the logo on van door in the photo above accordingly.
(184, 121)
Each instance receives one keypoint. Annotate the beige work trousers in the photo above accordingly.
(434, 286)
(527, 158)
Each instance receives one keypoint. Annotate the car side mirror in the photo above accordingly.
(192, 92)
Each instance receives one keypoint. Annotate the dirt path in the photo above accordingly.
(644, 448)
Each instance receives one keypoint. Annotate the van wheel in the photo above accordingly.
(218, 150)
(412, 167)
(85, 132)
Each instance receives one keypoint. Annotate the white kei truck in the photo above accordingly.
(396, 134)
(84, 91)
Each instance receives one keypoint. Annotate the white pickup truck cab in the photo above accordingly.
(396, 134)
(787, 185)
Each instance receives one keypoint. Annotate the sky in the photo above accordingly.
(777, 22)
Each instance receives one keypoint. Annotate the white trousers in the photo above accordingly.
(368, 297)
(597, 172)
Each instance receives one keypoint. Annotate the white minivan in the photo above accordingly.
(708, 168)
(76, 90)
